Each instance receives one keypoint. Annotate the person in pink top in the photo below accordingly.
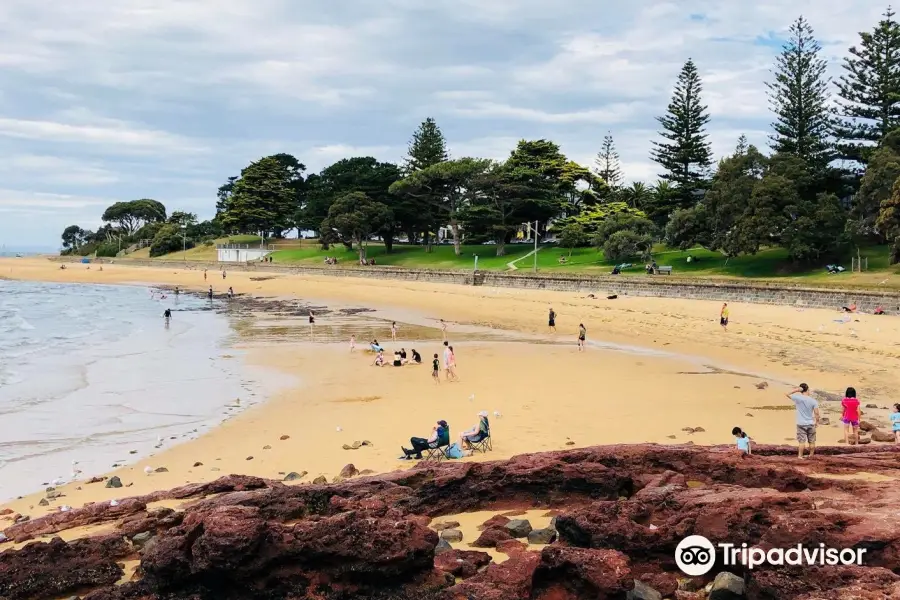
(850, 416)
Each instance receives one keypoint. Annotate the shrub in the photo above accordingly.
(626, 244)
(169, 239)
(108, 249)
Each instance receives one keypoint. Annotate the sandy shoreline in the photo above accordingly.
(547, 393)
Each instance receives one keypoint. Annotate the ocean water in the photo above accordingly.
(90, 373)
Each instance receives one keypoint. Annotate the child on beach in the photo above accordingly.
(551, 320)
(582, 335)
(742, 440)
(850, 416)
(443, 330)
(352, 343)
(895, 423)
(379, 359)
(436, 369)
(451, 366)
(723, 317)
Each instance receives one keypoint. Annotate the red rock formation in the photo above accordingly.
(621, 512)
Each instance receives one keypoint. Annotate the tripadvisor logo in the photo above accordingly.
(695, 555)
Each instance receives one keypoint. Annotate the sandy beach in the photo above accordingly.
(653, 367)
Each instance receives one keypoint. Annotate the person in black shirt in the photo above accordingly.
(417, 358)
(168, 316)
(436, 369)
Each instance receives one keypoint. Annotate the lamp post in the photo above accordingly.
(184, 242)
(535, 244)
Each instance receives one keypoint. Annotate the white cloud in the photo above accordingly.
(177, 95)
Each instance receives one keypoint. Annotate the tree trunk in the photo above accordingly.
(426, 240)
(501, 247)
(388, 239)
(411, 236)
(454, 227)
(362, 251)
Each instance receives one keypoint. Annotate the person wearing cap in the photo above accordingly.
(807, 418)
(440, 436)
(476, 433)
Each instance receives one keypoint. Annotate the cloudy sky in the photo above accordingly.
(104, 101)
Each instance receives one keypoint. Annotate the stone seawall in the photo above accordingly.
(661, 286)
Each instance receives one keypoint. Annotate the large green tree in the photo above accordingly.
(444, 188)
(358, 174)
(875, 187)
(798, 97)
(684, 154)
(73, 237)
(132, 215)
(869, 90)
(426, 148)
(606, 165)
(356, 217)
(265, 198)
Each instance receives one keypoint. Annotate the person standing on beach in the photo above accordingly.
(231, 292)
(807, 418)
(452, 368)
(209, 294)
(582, 336)
(551, 320)
(723, 317)
(447, 359)
(436, 369)
(312, 318)
(204, 274)
(223, 273)
(850, 415)
(352, 343)
(167, 316)
(443, 330)
(394, 331)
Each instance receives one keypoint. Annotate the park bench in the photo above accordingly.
(664, 270)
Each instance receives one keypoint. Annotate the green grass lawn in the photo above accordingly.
(770, 263)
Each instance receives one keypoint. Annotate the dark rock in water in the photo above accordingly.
(727, 586)
(461, 563)
(452, 535)
(445, 525)
(541, 536)
(489, 538)
(114, 482)
(141, 539)
(519, 528)
(442, 546)
(294, 476)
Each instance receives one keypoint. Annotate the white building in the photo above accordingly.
(241, 253)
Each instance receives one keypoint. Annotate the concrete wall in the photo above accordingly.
(635, 285)
(241, 255)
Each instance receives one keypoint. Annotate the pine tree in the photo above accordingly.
(685, 155)
(799, 97)
(870, 89)
(607, 165)
(427, 147)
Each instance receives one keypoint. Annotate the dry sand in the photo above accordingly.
(550, 396)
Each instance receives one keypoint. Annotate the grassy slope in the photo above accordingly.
(768, 264)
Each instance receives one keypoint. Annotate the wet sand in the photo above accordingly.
(653, 368)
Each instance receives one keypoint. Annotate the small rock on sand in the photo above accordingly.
(882, 436)
(824, 421)
(348, 447)
(114, 482)
(320, 480)
(367, 443)
(294, 476)
(132, 452)
(762, 385)
(699, 430)
(366, 472)
(642, 591)
(452, 535)
(96, 480)
(215, 469)
(570, 443)
(871, 406)
(161, 470)
(867, 426)
(442, 546)
(249, 458)
(284, 437)
(267, 447)
(44, 502)
(749, 415)
(198, 464)
(349, 471)
(140, 539)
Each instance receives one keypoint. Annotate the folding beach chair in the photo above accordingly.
(484, 444)
(437, 453)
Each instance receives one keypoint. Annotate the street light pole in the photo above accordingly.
(535, 245)
(184, 242)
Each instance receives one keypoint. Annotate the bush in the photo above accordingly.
(169, 239)
(626, 244)
(108, 249)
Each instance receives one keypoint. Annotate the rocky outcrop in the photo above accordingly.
(620, 513)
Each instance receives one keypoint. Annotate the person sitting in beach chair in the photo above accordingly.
(434, 445)
(479, 436)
